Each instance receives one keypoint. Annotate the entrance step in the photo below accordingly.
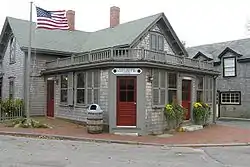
(126, 134)
(191, 128)
(186, 123)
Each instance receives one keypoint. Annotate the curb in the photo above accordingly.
(233, 119)
(61, 137)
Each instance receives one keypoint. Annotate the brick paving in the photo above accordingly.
(214, 134)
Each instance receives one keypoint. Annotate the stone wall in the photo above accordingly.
(155, 120)
(104, 92)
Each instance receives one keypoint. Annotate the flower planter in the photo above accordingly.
(174, 114)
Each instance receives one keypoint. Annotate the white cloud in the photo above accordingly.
(195, 21)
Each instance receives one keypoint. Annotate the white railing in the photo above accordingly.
(129, 55)
(9, 112)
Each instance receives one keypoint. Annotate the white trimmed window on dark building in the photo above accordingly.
(229, 67)
(230, 98)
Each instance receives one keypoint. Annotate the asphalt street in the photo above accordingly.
(27, 152)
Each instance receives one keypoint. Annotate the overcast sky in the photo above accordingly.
(195, 21)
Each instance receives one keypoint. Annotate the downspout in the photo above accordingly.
(214, 99)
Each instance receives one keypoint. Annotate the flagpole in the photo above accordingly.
(28, 67)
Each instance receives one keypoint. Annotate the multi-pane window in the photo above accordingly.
(172, 87)
(11, 88)
(88, 87)
(81, 88)
(229, 67)
(64, 89)
(159, 87)
(208, 89)
(230, 97)
(157, 42)
(12, 49)
(199, 89)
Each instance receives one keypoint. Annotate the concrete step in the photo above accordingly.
(186, 123)
(126, 133)
(191, 128)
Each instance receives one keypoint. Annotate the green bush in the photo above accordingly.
(174, 114)
(12, 107)
(201, 113)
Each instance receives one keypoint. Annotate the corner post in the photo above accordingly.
(214, 99)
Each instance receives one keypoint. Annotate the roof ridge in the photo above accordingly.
(216, 43)
(130, 21)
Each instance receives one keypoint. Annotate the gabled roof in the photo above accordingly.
(79, 41)
(206, 55)
(58, 40)
(239, 47)
(226, 50)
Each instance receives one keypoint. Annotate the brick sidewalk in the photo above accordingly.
(215, 134)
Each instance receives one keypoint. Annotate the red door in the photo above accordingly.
(50, 98)
(126, 101)
(186, 97)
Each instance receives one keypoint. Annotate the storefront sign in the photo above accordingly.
(127, 71)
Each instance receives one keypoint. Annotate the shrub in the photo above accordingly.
(201, 113)
(11, 107)
(174, 114)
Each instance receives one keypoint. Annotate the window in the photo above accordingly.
(229, 67)
(160, 43)
(199, 89)
(11, 88)
(231, 97)
(159, 87)
(88, 87)
(157, 42)
(80, 88)
(64, 89)
(153, 42)
(12, 49)
(172, 87)
(208, 89)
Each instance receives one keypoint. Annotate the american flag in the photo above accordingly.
(51, 19)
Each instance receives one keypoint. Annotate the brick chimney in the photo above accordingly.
(114, 16)
(70, 14)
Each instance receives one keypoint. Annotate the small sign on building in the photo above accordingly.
(127, 71)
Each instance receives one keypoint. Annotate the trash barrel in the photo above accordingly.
(94, 119)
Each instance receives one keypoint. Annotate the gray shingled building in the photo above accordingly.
(232, 60)
(132, 70)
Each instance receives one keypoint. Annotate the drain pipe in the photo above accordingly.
(214, 98)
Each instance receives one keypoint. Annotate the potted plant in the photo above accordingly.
(201, 113)
(174, 114)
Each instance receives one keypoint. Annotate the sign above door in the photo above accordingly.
(127, 71)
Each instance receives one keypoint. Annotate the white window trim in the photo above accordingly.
(230, 103)
(234, 67)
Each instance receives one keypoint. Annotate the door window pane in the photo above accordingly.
(130, 84)
(130, 96)
(123, 96)
(122, 85)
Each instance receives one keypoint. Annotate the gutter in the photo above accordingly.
(50, 52)
(127, 64)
